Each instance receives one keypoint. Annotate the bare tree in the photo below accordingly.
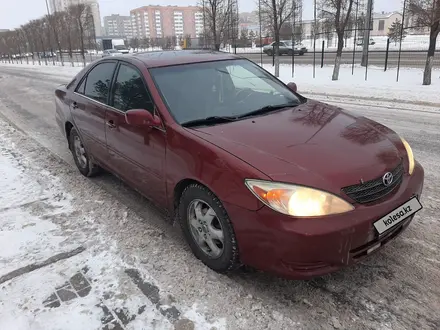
(52, 19)
(427, 13)
(66, 23)
(38, 34)
(21, 45)
(79, 16)
(220, 15)
(7, 44)
(339, 13)
(276, 13)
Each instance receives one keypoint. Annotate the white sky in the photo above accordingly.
(18, 12)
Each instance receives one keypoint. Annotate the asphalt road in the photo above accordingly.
(396, 288)
(376, 58)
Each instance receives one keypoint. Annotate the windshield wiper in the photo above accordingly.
(268, 108)
(209, 120)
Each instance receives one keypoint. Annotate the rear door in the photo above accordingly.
(89, 103)
(136, 154)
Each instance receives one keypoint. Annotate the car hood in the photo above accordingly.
(314, 144)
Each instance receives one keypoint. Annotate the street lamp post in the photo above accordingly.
(49, 25)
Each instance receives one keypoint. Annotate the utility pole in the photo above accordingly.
(367, 32)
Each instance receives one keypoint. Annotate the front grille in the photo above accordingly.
(373, 190)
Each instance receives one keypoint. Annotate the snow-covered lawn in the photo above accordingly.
(379, 85)
(58, 270)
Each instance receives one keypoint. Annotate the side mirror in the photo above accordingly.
(141, 117)
(292, 86)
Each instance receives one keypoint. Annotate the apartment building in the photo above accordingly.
(62, 5)
(118, 26)
(166, 21)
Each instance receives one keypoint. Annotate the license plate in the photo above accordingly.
(398, 215)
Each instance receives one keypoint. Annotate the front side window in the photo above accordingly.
(130, 91)
(97, 83)
(231, 88)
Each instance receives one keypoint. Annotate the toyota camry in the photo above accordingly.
(255, 173)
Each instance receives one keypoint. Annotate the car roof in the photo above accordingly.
(175, 57)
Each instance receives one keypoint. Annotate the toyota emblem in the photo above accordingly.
(387, 179)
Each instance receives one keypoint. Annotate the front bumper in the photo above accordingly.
(299, 248)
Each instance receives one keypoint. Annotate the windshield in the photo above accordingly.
(121, 47)
(230, 88)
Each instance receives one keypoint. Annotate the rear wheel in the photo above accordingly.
(208, 229)
(80, 155)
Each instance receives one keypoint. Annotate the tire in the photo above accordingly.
(84, 165)
(197, 195)
(301, 54)
(290, 53)
(269, 53)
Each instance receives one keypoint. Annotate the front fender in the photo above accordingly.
(191, 157)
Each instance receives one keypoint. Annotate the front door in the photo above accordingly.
(136, 154)
(88, 107)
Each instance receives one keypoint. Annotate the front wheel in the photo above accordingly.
(269, 53)
(208, 229)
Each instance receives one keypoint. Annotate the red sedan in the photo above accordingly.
(255, 173)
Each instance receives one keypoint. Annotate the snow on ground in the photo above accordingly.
(92, 289)
(379, 85)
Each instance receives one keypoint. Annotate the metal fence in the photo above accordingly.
(383, 54)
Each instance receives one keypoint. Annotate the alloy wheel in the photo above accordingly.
(205, 228)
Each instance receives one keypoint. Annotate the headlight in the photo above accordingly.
(297, 201)
(410, 154)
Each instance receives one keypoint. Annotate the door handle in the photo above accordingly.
(75, 105)
(111, 124)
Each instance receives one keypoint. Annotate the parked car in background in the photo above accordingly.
(254, 172)
(122, 49)
(360, 42)
(110, 52)
(286, 47)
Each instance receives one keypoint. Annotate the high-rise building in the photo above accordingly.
(118, 26)
(62, 5)
(166, 21)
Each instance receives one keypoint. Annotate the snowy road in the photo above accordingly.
(396, 288)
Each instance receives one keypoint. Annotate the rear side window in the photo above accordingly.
(97, 83)
(130, 91)
(81, 88)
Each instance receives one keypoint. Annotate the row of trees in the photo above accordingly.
(70, 31)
